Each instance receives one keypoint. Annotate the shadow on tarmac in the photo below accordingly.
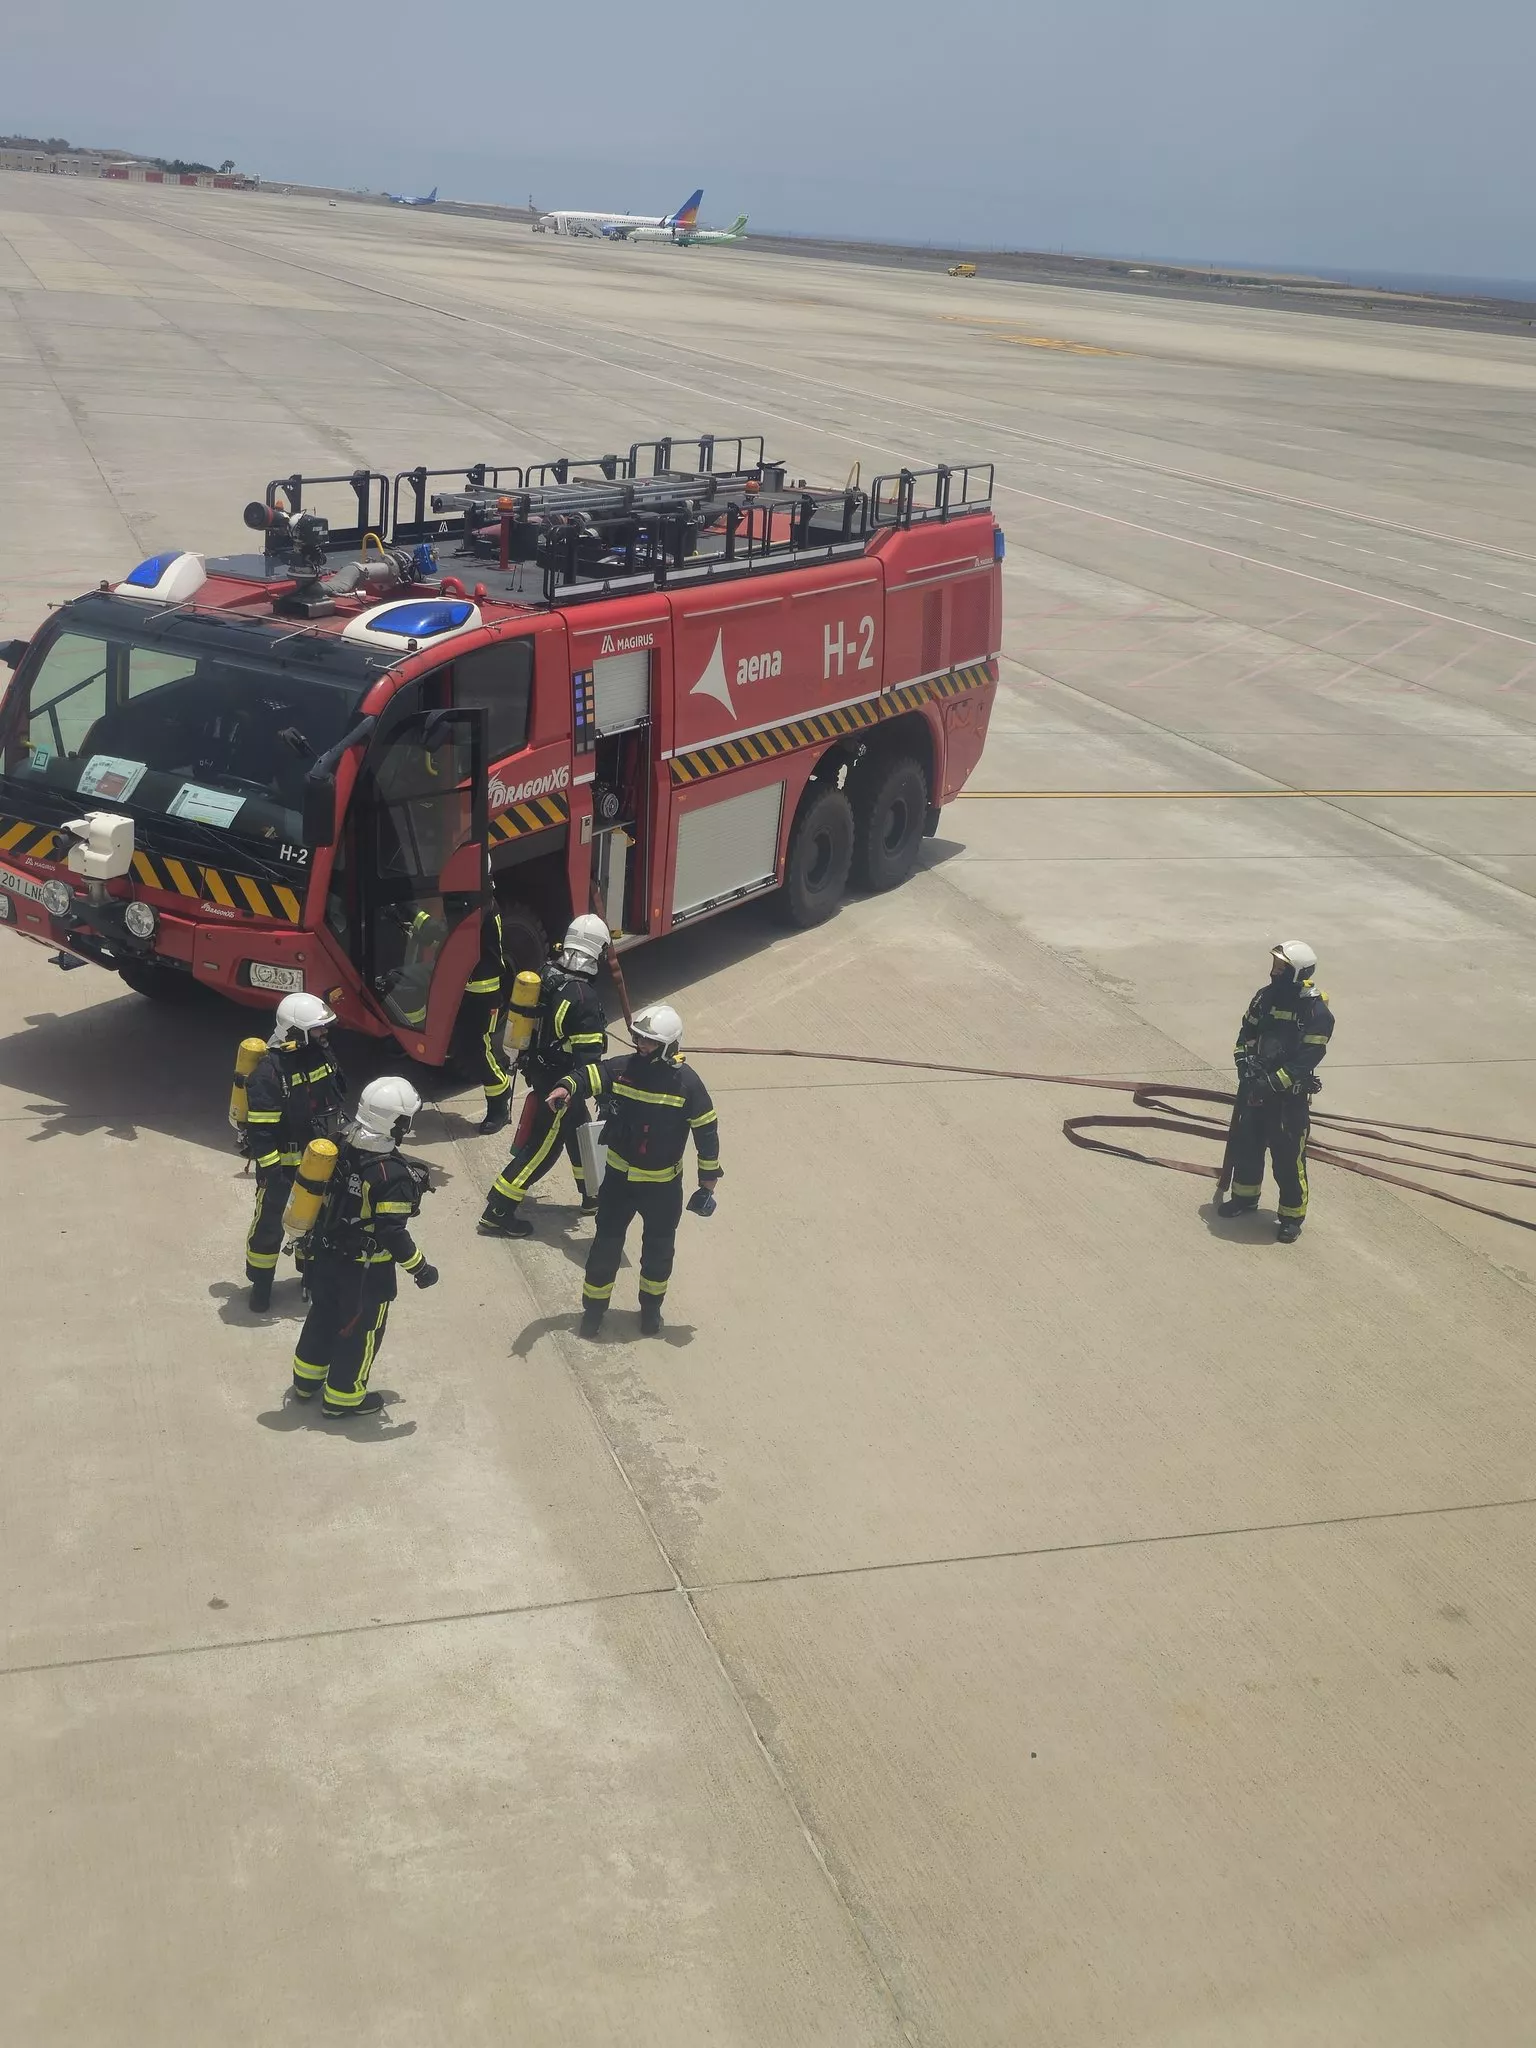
(360, 1429)
(127, 1064)
(1257, 1228)
(621, 1327)
(288, 1305)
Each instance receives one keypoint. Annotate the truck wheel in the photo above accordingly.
(161, 984)
(816, 867)
(888, 824)
(523, 938)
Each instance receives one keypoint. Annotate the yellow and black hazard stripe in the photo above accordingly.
(826, 725)
(227, 887)
(19, 835)
(538, 815)
(250, 895)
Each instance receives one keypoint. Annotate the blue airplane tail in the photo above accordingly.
(687, 215)
(431, 198)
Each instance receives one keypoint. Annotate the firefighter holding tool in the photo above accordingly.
(566, 1027)
(482, 1015)
(356, 1208)
(1280, 1044)
(655, 1102)
(291, 1094)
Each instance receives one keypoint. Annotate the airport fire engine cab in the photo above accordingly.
(653, 685)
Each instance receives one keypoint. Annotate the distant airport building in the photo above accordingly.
(135, 173)
(85, 163)
(77, 164)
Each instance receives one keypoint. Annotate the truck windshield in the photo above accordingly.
(181, 725)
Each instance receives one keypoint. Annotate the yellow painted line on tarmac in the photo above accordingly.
(1017, 340)
(1223, 795)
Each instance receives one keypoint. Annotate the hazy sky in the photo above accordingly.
(1383, 134)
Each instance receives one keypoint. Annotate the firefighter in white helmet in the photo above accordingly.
(361, 1240)
(655, 1102)
(295, 1094)
(1280, 1045)
(571, 1028)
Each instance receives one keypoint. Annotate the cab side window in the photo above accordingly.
(499, 681)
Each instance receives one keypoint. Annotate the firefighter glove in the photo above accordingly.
(702, 1203)
(425, 1275)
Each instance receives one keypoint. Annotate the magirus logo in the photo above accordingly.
(626, 643)
(501, 796)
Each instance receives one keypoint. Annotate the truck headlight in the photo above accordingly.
(58, 898)
(140, 919)
(288, 981)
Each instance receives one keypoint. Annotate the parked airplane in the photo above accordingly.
(616, 226)
(685, 238)
(405, 199)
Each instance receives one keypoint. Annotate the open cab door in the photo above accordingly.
(423, 875)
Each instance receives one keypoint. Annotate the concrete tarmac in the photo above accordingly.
(1009, 1605)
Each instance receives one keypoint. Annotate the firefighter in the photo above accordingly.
(1280, 1044)
(656, 1102)
(482, 1016)
(362, 1238)
(295, 1094)
(571, 1030)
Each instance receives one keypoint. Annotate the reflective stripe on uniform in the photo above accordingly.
(632, 1094)
(514, 1190)
(303, 1370)
(645, 1173)
(591, 1293)
(1242, 1192)
(417, 1258)
(656, 1287)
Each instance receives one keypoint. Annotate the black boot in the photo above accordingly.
(589, 1205)
(370, 1404)
(502, 1220)
(650, 1316)
(497, 1116)
(1290, 1229)
(1236, 1206)
(592, 1317)
(260, 1298)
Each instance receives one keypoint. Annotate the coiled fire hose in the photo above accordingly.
(1158, 1096)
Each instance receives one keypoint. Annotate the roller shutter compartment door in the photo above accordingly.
(621, 690)
(726, 848)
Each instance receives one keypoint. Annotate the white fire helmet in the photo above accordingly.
(586, 941)
(659, 1026)
(299, 1016)
(1298, 956)
(384, 1112)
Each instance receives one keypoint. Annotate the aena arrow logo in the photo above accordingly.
(713, 682)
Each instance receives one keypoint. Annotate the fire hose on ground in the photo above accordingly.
(1158, 1098)
(1161, 1098)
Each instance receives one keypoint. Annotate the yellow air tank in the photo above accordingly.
(309, 1185)
(523, 1011)
(246, 1061)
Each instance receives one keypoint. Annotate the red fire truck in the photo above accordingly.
(651, 684)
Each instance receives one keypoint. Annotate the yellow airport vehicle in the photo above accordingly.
(962, 270)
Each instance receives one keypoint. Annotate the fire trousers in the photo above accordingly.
(264, 1240)
(1277, 1125)
(344, 1331)
(659, 1205)
(550, 1129)
(481, 1018)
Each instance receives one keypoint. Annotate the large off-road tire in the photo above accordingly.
(889, 814)
(524, 939)
(816, 866)
(160, 983)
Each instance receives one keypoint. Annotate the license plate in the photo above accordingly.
(21, 885)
